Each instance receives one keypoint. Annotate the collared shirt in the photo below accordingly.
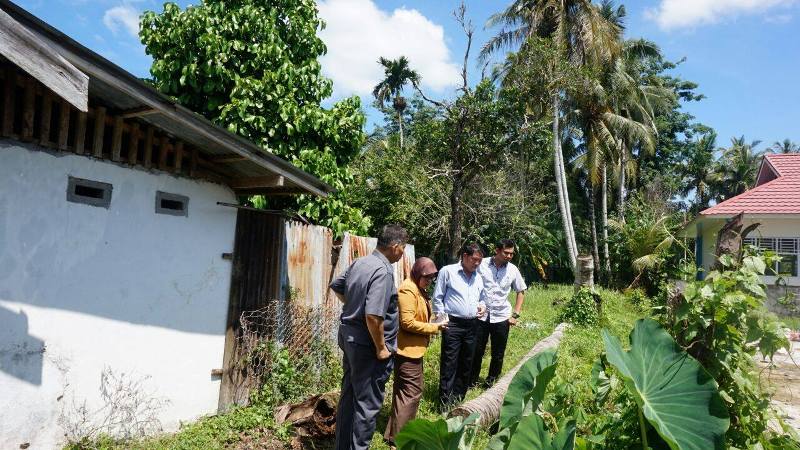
(498, 282)
(457, 294)
(368, 288)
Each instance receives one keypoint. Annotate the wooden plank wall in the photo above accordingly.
(30, 112)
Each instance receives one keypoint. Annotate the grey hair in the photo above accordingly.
(392, 234)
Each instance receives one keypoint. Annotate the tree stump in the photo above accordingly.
(488, 404)
(314, 417)
(729, 239)
(584, 273)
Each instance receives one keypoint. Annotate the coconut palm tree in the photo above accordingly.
(638, 100)
(698, 170)
(583, 37)
(615, 113)
(785, 146)
(737, 168)
(397, 74)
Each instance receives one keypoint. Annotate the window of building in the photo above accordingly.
(787, 265)
(787, 249)
(89, 192)
(172, 204)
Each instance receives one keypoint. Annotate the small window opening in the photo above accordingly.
(89, 192)
(172, 204)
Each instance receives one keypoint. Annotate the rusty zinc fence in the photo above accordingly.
(314, 259)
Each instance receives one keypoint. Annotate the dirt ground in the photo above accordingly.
(783, 378)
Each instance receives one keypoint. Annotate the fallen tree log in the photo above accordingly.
(488, 404)
(314, 417)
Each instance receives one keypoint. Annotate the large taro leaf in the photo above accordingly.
(677, 396)
(453, 434)
(526, 391)
(531, 434)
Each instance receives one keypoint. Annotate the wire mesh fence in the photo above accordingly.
(287, 350)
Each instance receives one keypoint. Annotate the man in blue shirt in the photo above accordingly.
(368, 337)
(459, 296)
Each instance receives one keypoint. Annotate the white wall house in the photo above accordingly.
(773, 203)
(115, 219)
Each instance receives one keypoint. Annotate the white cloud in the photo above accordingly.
(357, 33)
(778, 19)
(672, 14)
(122, 16)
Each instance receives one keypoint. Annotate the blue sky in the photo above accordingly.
(745, 54)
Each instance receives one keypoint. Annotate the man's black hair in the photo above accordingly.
(505, 243)
(471, 248)
(392, 234)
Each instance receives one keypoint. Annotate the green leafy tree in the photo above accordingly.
(397, 73)
(253, 67)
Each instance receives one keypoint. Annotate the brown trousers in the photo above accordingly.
(406, 394)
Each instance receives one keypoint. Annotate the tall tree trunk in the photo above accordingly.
(593, 222)
(604, 207)
(400, 123)
(456, 215)
(561, 187)
(621, 197)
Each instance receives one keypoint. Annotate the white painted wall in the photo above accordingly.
(84, 288)
(786, 227)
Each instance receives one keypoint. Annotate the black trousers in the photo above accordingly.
(499, 334)
(363, 386)
(458, 349)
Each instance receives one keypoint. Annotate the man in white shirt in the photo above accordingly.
(499, 277)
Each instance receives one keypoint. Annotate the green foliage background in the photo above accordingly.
(253, 67)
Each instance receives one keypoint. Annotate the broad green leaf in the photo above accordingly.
(726, 260)
(677, 396)
(755, 264)
(600, 381)
(565, 438)
(526, 391)
(531, 434)
(451, 434)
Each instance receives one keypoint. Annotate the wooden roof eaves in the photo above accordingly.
(20, 46)
(98, 67)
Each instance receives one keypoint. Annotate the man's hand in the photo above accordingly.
(442, 325)
(512, 321)
(481, 310)
(383, 354)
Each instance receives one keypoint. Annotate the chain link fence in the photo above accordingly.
(287, 351)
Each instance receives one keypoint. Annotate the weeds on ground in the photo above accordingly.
(579, 349)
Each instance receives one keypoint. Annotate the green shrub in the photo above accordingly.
(722, 323)
(638, 298)
(293, 375)
(581, 309)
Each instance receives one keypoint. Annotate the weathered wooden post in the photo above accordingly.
(584, 273)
